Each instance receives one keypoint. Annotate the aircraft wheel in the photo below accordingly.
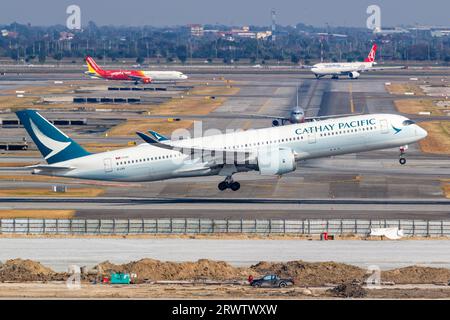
(402, 161)
(222, 186)
(235, 186)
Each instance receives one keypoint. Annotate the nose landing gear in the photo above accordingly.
(229, 183)
(402, 159)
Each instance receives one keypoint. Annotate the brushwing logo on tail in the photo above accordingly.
(54, 145)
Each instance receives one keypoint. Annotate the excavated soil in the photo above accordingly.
(19, 270)
(416, 275)
(303, 273)
(313, 274)
(150, 269)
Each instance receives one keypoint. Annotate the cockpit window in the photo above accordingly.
(408, 122)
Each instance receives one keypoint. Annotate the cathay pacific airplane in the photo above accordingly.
(271, 151)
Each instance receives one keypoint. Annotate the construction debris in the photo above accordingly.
(348, 290)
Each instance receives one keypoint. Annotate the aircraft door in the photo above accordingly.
(384, 126)
(312, 137)
(107, 165)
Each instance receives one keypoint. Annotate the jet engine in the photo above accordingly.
(275, 123)
(354, 75)
(276, 161)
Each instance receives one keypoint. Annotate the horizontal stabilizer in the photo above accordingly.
(49, 168)
(158, 136)
(146, 138)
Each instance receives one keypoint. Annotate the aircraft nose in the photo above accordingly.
(422, 133)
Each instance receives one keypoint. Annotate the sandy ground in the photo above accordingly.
(415, 106)
(438, 139)
(46, 192)
(401, 88)
(37, 214)
(60, 290)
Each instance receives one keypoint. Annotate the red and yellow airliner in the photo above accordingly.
(132, 75)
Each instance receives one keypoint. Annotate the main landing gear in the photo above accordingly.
(229, 183)
(402, 159)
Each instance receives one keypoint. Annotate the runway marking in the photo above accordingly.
(171, 200)
(247, 125)
(264, 106)
(311, 95)
(352, 105)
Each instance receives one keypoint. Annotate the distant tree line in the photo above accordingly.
(300, 44)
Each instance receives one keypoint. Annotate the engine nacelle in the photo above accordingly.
(354, 75)
(276, 161)
(276, 123)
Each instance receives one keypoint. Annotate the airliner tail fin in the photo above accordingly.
(371, 55)
(93, 68)
(54, 145)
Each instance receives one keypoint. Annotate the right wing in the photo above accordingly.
(384, 68)
(332, 116)
(264, 116)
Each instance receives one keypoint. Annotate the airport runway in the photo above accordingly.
(370, 176)
(235, 208)
(60, 253)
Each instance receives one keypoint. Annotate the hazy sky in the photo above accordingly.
(230, 12)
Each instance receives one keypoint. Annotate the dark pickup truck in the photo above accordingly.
(271, 281)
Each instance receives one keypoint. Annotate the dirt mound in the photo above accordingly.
(157, 270)
(312, 274)
(348, 290)
(417, 274)
(25, 270)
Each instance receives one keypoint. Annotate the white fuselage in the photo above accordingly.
(336, 69)
(165, 75)
(307, 140)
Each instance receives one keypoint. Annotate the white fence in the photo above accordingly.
(205, 226)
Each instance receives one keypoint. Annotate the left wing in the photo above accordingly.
(209, 155)
(140, 78)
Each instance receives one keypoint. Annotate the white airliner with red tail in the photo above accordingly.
(350, 69)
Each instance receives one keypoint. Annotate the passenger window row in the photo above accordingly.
(262, 143)
(120, 163)
(347, 131)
